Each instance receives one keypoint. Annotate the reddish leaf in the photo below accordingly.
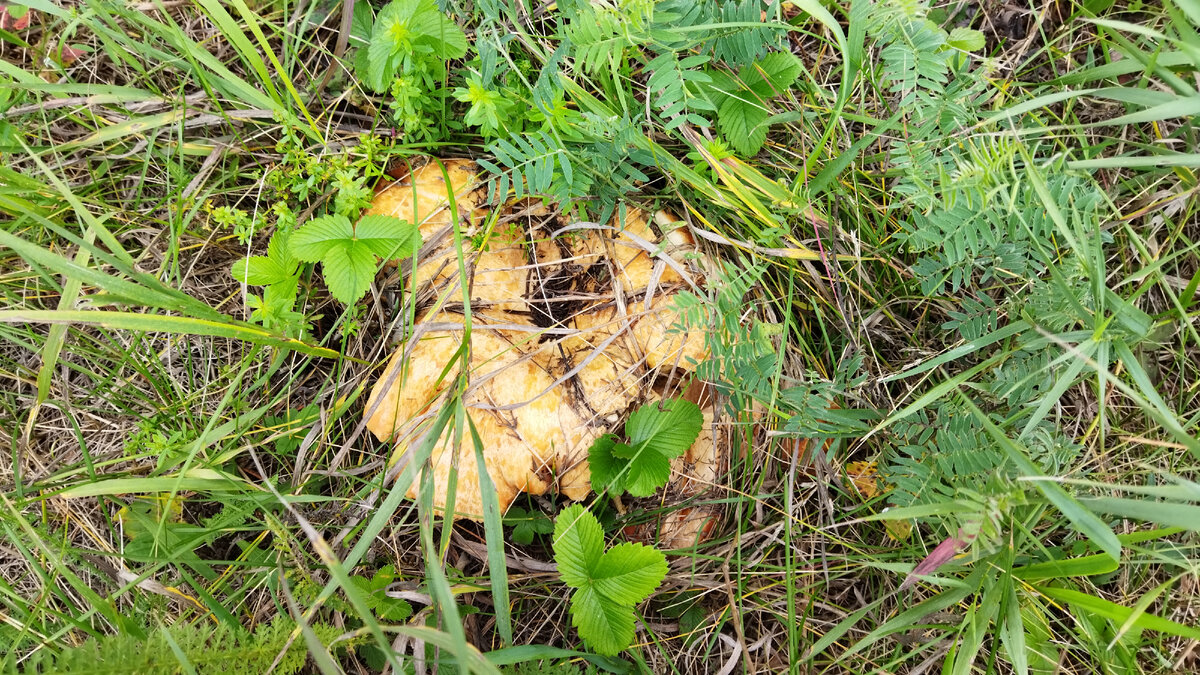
(941, 555)
(13, 18)
(70, 55)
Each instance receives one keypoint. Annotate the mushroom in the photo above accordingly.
(570, 330)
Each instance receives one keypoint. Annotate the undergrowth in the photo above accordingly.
(958, 299)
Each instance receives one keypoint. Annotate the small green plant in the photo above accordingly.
(386, 608)
(527, 524)
(607, 583)
(491, 110)
(279, 273)
(403, 52)
(237, 220)
(657, 433)
(411, 37)
(348, 252)
(278, 269)
(741, 102)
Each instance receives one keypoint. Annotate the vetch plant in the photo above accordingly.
(607, 583)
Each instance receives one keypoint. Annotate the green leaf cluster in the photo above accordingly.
(409, 35)
(348, 252)
(279, 273)
(527, 524)
(657, 433)
(743, 101)
(374, 594)
(608, 584)
(491, 110)
(674, 83)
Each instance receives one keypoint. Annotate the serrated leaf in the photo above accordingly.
(445, 37)
(743, 124)
(381, 65)
(360, 23)
(772, 75)
(347, 254)
(606, 626)
(623, 450)
(647, 472)
(669, 427)
(388, 236)
(258, 270)
(966, 39)
(721, 84)
(348, 270)
(578, 544)
(319, 236)
(606, 467)
(393, 609)
(277, 267)
(628, 573)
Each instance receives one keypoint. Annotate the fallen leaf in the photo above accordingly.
(15, 17)
(864, 477)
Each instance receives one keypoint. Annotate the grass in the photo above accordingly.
(187, 476)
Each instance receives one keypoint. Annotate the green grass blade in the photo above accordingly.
(159, 323)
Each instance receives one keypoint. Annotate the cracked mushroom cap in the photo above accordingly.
(570, 331)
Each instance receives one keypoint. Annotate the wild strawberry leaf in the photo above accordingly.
(742, 102)
(348, 254)
(319, 236)
(578, 544)
(608, 469)
(348, 269)
(607, 583)
(670, 427)
(278, 266)
(648, 471)
(607, 627)
(657, 433)
(743, 122)
(628, 573)
(771, 76)
(387, 236)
